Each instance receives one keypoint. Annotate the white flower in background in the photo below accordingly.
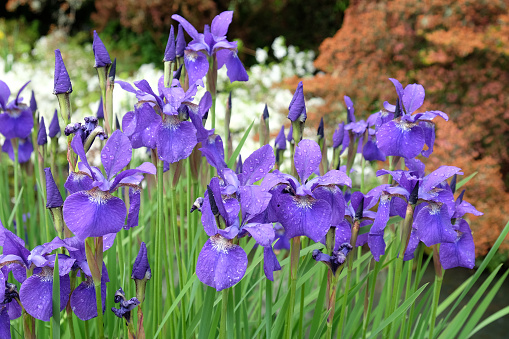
(279, 47)
(261, 55)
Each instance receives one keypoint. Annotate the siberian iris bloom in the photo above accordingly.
(91, 210)
(211, 43)
(310, 207)
(155, 123)
(54, 126)
(407, 133)
(25, 149)
(16, 119)
(222, 263)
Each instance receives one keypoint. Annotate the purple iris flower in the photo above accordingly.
(36, 291)
(42, 137)
(432, 216)
(169, 52)
(25, 149)
(336, 259)
(141, 267)
(83, 299)
(16, 119)
(62, 81)
(53, 196)
(100, 110)
(309, 208)
(33, 103)
(54, 127)
(222, 263)
(91, 210)
(180, 45)
(9, 307)
(359, 210)
(155, 123)
(212, 42)
(406, 134)
(280, 142)
(102, 57)
(297, 108)
(126, 306)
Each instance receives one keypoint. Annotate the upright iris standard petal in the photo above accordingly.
(42, 137)
(54, 127)
(102, 57)
(175, 139)
(413, 97)
(401, 138)
(350, 109)
(221, 23)
(297, 108)
(116, 154)
(307, 158)
(304, 215)
(433, 225)
(94, 213)
(221, 264)
(62, 82)
(257, 165)
(53, 196)
(371, 152)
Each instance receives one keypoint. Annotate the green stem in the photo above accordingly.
(436, 290)
(95, 263)
(159, 245)
(224, 309)
(420, 253)
(19, 214)
(294, 266)
(268, 308)
(372, 284)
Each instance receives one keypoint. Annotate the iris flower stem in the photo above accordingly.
(174, 226)
(294, 266)
(420, 253)
(372, 285)
(102, 72)
(224, 309)
(159, 245)
(405, 237)
(189, 202)
(109, 105)
(94, 259)
(353, 242)
(436, 290)
(19, 214)
(212, 88)
(268, 308)
(407, 292)
(332, 300)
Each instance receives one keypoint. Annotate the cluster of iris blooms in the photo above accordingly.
(315, 201)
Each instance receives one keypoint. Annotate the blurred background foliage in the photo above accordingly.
(457, 49)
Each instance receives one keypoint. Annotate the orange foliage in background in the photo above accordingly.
(459, 52)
